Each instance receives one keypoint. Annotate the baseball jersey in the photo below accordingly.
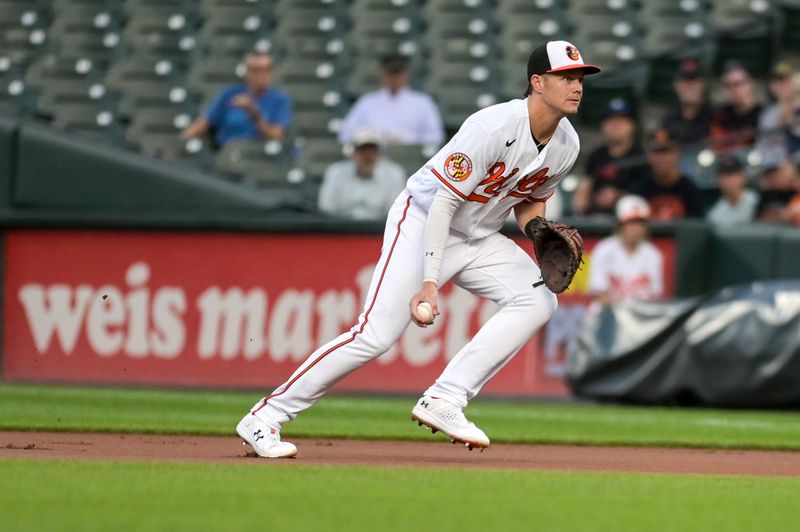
(492, 164)
(622, 275)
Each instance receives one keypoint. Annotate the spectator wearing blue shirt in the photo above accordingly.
(249, 110)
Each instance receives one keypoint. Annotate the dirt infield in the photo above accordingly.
(216, 449)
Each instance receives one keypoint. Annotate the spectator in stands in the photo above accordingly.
(670, 193)
(734, 124)
(399, 114)
(613, 168)
(737, 204)
(626, 265)
(779, 124)
(778, 189)
(250, 110)
(364, 187)
(689, 122)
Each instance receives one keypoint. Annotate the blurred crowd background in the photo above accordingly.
(338, 102)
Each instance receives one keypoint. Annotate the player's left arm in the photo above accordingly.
(525, 212)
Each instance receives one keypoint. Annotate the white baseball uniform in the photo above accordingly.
(488, 167)
(624, 275)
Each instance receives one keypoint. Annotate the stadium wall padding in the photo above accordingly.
(57, 171)
(8, 146)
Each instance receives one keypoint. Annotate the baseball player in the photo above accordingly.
(444, 226)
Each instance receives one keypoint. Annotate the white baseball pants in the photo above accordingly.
(493, 267)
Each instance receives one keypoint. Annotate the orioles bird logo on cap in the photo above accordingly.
(572, 53)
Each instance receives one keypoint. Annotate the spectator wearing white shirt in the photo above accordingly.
(397, 113)
(626, 265)
(363, 187)
(737, 204)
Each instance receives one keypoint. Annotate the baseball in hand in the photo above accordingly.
(425, 312)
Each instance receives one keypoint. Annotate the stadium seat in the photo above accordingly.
(410, 156)
(209, 75)
(458, 102)
(264, 163)
(317, 154)
(86, 117)
(141, 68)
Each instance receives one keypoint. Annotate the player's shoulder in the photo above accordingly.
(500, 116)
(567, 134)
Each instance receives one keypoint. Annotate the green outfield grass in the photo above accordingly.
(192, 412)
(83, 496)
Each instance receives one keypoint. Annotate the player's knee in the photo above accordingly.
(541, 301)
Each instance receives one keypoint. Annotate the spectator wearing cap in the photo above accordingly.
(627, 265)
(735, 123)
(614, 167)
(689, 122)
(778, 189)
(670, 194)
(737, 204)
(363, 187)
(250, 110)
(397, 113)
(779, 123)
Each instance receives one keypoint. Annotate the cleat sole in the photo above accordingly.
(454, 439)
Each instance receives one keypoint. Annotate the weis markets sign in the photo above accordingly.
(228, 310)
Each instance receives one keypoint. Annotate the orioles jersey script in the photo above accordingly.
(492, 164)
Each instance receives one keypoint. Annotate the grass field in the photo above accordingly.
(191, 412)
(85, 495)
(155, 496)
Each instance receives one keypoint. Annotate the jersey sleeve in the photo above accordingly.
(463, 162)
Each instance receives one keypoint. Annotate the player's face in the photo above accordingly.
(563, 90)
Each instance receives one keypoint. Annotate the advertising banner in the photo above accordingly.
(235, 310)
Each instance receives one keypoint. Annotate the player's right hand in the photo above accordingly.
(430, 293)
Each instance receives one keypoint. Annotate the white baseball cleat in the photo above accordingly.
(441, 415)
(265, 440)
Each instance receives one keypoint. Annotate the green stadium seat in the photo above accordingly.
(732, 15)
(210, 74)
(317, 154)
(51, 69)
(315, 123)
(256, 161)
(86, 117)
(410, 156)
(308, 22)
(142, 69)
(446, 8)
(159, 94)
(458, 102)
(319, 48)
(68, 92)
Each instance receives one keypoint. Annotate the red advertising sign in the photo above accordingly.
(213, 309)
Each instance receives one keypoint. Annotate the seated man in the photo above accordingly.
(362, 188)
(737, 204)
(626, 265)
(734, 124)
(250, 110)
(397, 113)
(670, 193)
(613, 167)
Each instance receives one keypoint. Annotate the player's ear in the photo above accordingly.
(537, 83)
